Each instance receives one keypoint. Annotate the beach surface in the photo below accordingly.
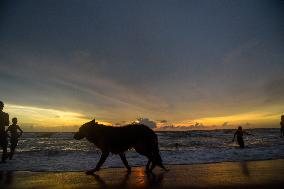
(252, 174)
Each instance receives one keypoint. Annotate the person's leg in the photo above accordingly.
(12, 148)
(4, 153)
(1, 147)
(241, 142)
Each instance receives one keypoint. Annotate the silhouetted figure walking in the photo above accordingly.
(4, 121)
(14, 136)
(282, 126)
(240, 134)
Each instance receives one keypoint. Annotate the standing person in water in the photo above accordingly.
(14, 136)
(4, 121)
(282, 126)
(240, 134)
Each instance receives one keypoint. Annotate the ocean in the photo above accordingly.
(60, 152)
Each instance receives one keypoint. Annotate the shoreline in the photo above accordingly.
(141, 166)
(246, 174)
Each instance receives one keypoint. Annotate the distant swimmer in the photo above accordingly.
(240, 134)
(14, 136)
(4, 121)
(282, 126)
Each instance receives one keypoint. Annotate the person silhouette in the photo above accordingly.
(14, 136)
(4, 121)
(282, 126)
(240, 134)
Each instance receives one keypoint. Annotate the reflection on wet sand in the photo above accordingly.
(244, 168)
(6, 178)
(137, 179)
(257, 174)
(103, 183)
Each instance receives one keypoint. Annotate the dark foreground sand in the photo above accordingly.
(255, 174)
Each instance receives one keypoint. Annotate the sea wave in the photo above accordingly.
(60, 152)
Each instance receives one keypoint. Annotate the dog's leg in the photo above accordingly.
(153, 166)
(163, 167)
(159, 164)
(123, 158)
(100, 163)
(158, 161)
(148, 165)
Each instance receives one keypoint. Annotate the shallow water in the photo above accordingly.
(60, 152)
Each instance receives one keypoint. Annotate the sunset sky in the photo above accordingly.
(218, 63)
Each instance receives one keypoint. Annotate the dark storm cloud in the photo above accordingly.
(160, 59)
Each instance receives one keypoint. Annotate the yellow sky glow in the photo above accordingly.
(35, 116)
(252, 117)
(46, 117)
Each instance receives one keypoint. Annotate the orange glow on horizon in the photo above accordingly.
(36, 116)
(44, 117)
(254, 117)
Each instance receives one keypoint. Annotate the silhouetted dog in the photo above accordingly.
(117, 140)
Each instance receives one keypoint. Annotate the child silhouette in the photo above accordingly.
(14, 136)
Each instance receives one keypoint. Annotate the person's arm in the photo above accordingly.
(281, 128)
(234, 136)
(7, 132)
(8, 121)
(247, 133)
(21, 131)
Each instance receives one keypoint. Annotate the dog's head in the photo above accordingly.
(84, 130)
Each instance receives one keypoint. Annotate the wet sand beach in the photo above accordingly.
(253, 174)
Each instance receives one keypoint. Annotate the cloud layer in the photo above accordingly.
(115, 61)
